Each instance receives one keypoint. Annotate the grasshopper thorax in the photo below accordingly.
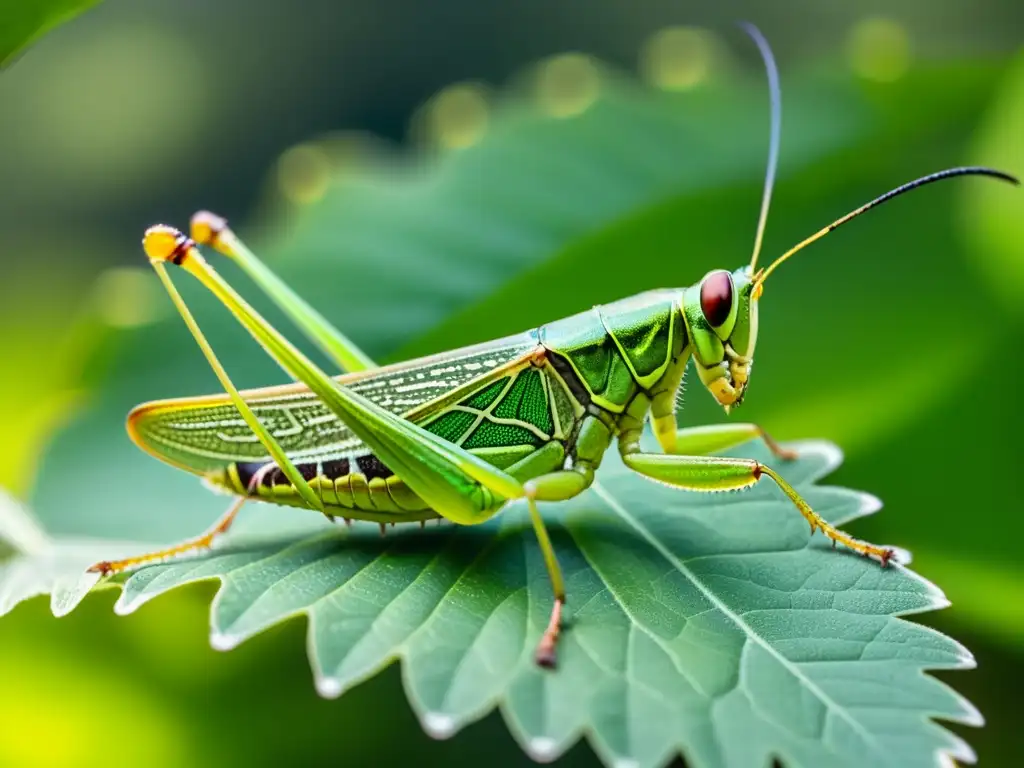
(721, 319)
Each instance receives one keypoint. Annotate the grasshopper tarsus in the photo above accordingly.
(546, 653)
(546, 657)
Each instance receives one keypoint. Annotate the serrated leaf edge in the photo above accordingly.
(443, 726)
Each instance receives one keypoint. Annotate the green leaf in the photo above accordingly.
(708, 626)
(32, 563)
(22, 22)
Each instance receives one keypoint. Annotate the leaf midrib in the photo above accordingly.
(737, 620)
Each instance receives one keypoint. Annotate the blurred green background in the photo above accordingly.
(898, 338)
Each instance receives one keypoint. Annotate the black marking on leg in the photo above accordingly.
(308, 471)
(371, 467)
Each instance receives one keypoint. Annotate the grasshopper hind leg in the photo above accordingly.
(212, 230)
(197, 545)
(450, 480)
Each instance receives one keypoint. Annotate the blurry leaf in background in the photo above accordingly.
(987, 597)
(39, 388)
(35, 564)
(869, 409)
(67, 324)
(990, 219)
(115, 115)
(693, 619)
(22, 22)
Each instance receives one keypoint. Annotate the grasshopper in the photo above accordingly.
(461, 434)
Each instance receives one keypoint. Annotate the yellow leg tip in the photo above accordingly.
(164, 243)
(206, 227)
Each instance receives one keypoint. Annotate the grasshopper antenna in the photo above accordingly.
(971, 170)
(775, 94)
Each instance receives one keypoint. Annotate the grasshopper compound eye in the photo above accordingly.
(716, 295)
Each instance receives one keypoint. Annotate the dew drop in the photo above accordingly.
(223, 642)
(544, 748)
(438, 725)
(125, 605)
(328, 687)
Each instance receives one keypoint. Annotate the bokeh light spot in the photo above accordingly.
(304, 173)
(128, 297)
(567, 84)
(677, 58)
(55, 711)
(457, 116)
(111, 110)
(879, 49)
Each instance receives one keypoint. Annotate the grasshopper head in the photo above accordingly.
(721, 316)
(721, 310)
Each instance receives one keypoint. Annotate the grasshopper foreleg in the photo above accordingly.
(719, 473)
(701, 441)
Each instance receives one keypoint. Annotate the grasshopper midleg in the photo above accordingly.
(690, 467)
(460, 434)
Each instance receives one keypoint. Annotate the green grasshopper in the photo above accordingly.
(461, 434)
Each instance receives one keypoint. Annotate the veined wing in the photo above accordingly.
(202, 434)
